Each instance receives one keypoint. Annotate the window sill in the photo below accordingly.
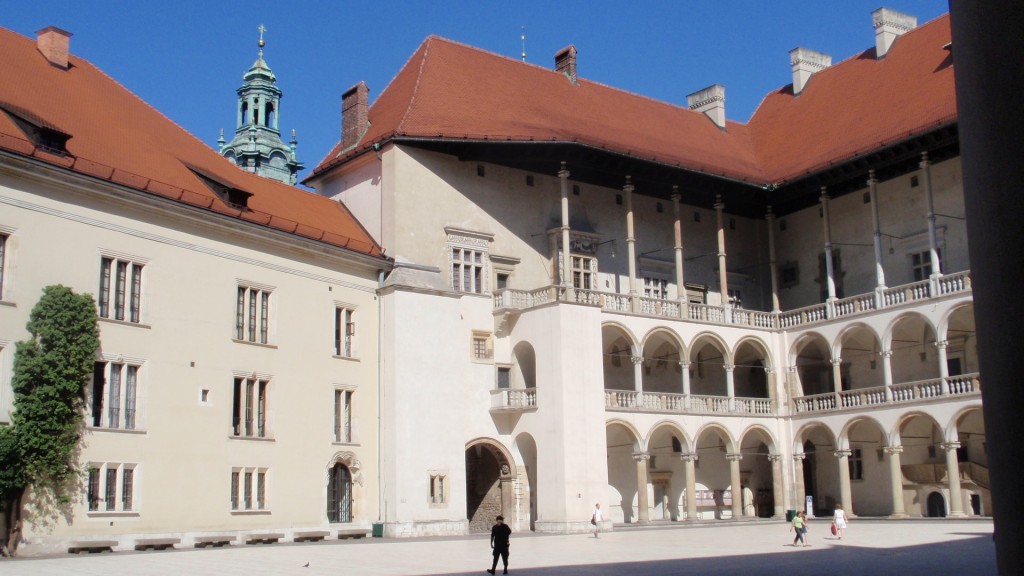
(264, 512)
(112, 514)
(482, 360)
(125, 323)
(8, 303)
(343, 443)
(258, 344)
(136, 432)
(438, 505)
(349, 358)
(251, 438)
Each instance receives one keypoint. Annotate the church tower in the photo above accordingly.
(257, 146)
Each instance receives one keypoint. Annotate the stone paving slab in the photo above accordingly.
(963, 548)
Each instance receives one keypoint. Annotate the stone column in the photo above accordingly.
(830, 274)
(779, 511)
(933, 241)
(773, 269)
(734, 481)
(799, 491)
(677, 230)
(643, 515)
(638, 374)
(685, 367)
(941, 346)
(896, 472)
(887, 373)
(730, 385)
(876, 223)
(691, 486)
(567, 286)
(956, 503)
(627, 191)
(837, 380)
(723, 277)
(844, 480)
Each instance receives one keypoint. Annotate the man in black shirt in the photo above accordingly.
(499, 542)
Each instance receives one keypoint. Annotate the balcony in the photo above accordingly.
(631, 401)
(511, 301)
(510, 400)
(952, 387)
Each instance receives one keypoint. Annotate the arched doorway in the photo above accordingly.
(339, 494)
(936, 505)
(488, 484)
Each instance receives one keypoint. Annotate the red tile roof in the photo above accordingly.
(116, 136)
(451, 91)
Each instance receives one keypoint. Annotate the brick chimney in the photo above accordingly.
(890, 25)
(565, 62)
(805, 63)
(354, 108)
(54, 44)
(710, 101)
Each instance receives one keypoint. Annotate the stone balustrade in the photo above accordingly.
(514, 400)
(629, 400)
(902, 393)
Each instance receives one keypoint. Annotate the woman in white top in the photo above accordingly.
(596, 520)
(839, 521)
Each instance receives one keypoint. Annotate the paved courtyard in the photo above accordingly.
(934, 547)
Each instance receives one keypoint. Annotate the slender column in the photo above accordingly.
(723, 277)
(685, 366)
(734, 480)
(730, 385)
(837, 380)
(570, 293)
(887, 373)
(777, 493)
(638, 374)
(678, 233)
(844, 480)
(876, 223)
(830, 274)
(956, 503)
(896, 474)
(799, 491)
(773, 268)
(627, 190)
(943, 366)
(933, 243)
(641, 458)
(691, 486)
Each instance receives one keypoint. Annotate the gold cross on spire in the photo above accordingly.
(262, 29)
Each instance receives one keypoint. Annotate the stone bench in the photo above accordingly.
(216, 541)
(311, 536)
(92, 546)
(156, 543)
(346, 533)
(269, 538)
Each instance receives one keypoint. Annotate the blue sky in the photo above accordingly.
(186, 58)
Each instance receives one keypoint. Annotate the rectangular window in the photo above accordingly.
(3, 250)
(655, 288)
(789, 275)
(252, 315)
(248, 489)
(261, 490)
(234, 490)
(921, 265)
(736, 298)
(120, 409)
(437, 489)
(343, 415)
(113, 485)
(856, 464)
(583, 271)
(249, 399)
(344, 331)
(483, 347)
(94, 489)
(120, 285)
(504, 377)
(467, 270)
(111, 493)
(127, 487)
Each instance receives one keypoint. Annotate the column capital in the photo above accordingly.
(775, 458)
(797, 457)
(836, 361)
(887, 353)
(563, 172)
(768, 214)
(641, 456)
(824, 197)
(893, 450)
(684, 364)
(924, 160)
(842, 453)
(871, 177)
(637, 359)
(719, 205)
(691, 457)
(791, 369)
(729, 367)
(941, 344)
(628, 186)
(676, 196)
(769, 370)
(950, 446)
(734, 457)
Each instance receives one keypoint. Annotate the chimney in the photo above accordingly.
(54, 44)
(889, 25)
(565, 62)
(710, 101)
(354, 107)
(805, 63)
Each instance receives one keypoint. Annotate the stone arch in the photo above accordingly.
(489, 474)
(525, 447)
(967, 430)
(524, 366)
(910, 340)
(619, 348)
(622, 442)
(662, 352)
(820, 473)
(713, 476)
(811, 355)
(667, 442)
(957, 330)
(343, 487)
(858, 348)
(708, 357)
(757, 477)
(870, 473)
(752, 368)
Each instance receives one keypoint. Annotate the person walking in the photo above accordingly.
(800, 527)
(500, 533)
(839, 522)
(595, 520)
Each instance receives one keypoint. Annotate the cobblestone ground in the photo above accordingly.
(961, 548)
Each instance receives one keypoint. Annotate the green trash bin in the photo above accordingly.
(378, 529)
(790, 514)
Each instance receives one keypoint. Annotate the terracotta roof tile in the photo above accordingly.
(118, 137)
